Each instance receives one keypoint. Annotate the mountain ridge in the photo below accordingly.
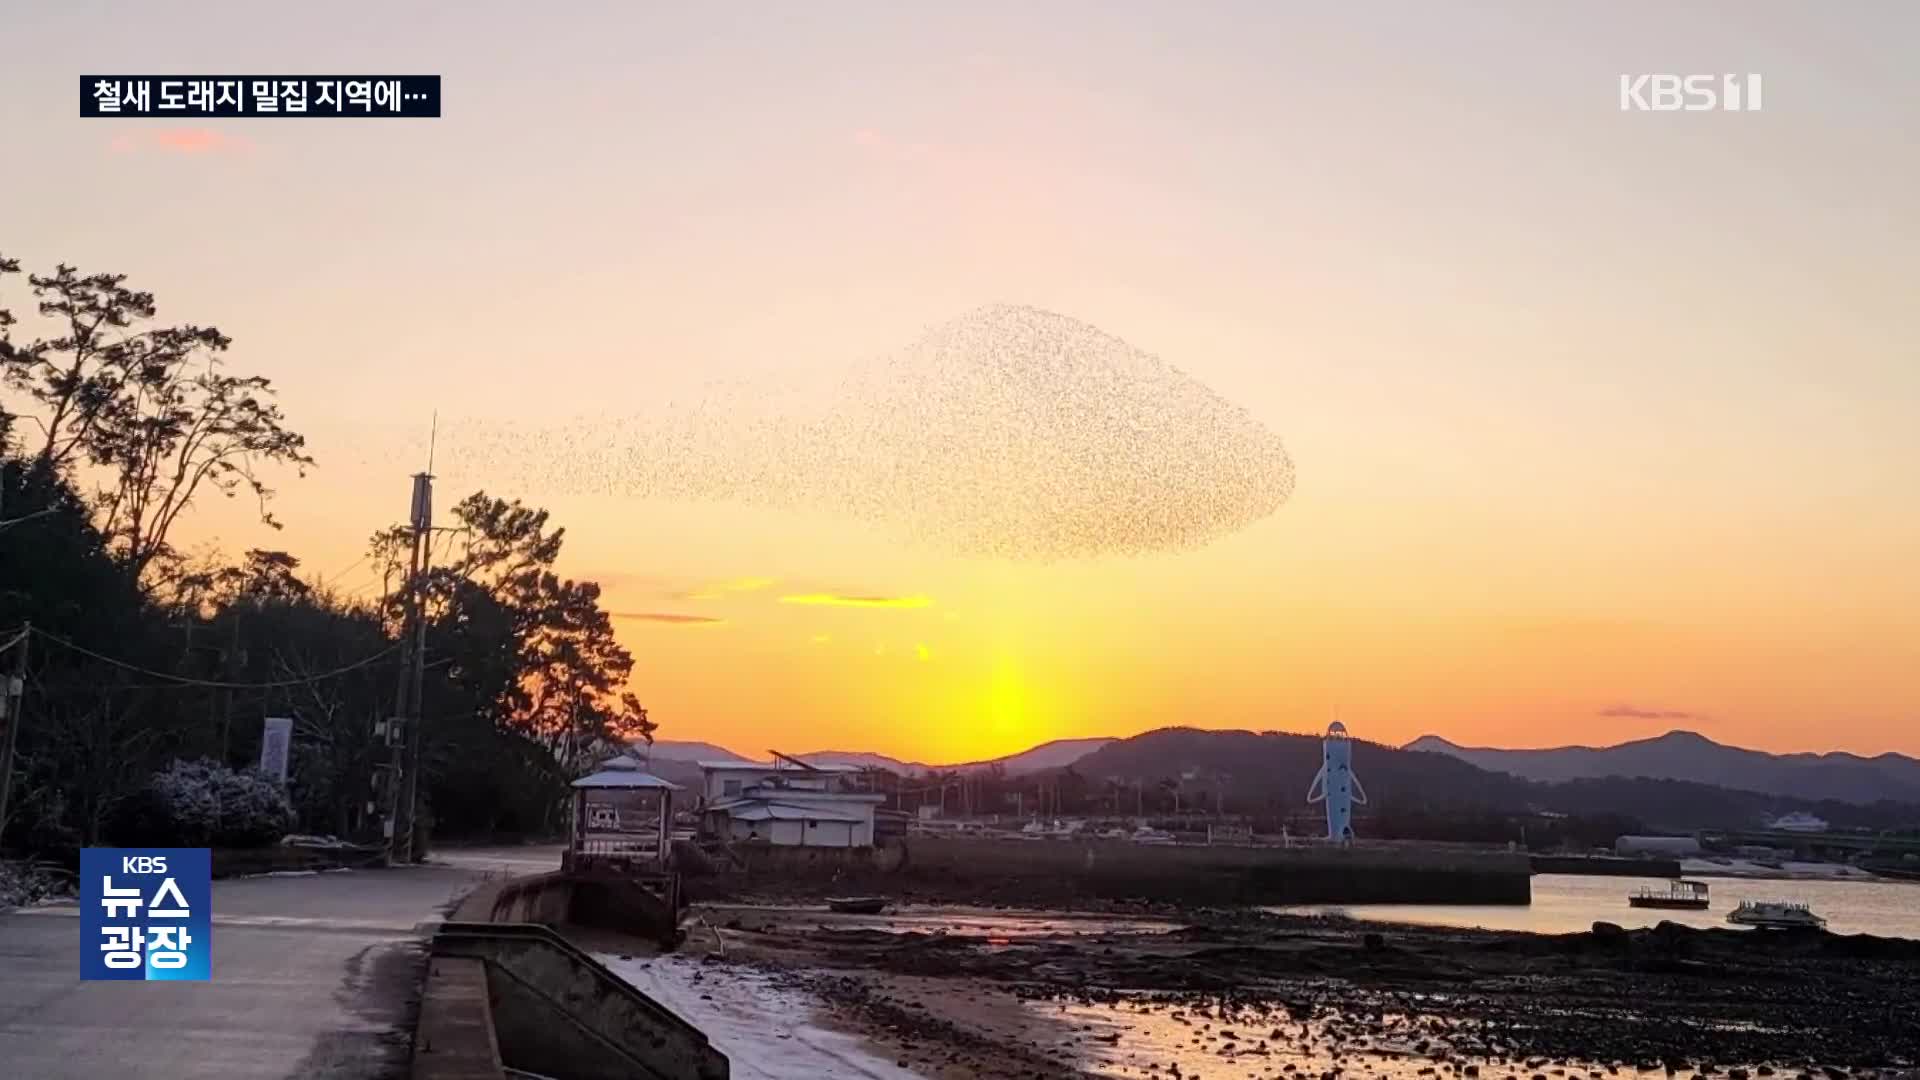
(1676, 757)
(1688, 755)
(1052, 754)
(1272, 771)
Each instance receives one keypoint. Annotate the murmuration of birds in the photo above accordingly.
(1010, 432)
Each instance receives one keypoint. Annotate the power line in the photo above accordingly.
(214, 683)
(363, 588)
(445, 661)
(334, 578)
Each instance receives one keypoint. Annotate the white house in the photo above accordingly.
(788, 805)
(1801, 822)
(728, 779)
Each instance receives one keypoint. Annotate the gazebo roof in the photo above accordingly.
(623, 772)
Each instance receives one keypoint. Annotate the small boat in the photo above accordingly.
(1773, 915)
(1678, 895)
(857, 905)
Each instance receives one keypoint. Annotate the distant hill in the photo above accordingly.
(1662, 783)
(1277, 768)
(672, 750)
(1686, 755)
(1048, 755)
(864, 759)
(1057, 754)
(1274, 769)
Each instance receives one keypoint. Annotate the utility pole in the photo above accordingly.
(423, 545)
(12, 705)
(227, 665)
(403, 729)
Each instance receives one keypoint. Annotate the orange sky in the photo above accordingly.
(1603, 421)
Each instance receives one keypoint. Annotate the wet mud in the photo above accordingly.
(1245, 993)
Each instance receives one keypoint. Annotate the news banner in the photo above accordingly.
(145, 914)
(405, 96)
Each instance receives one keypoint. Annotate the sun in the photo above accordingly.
(1008, 713)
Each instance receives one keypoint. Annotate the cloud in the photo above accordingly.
(837, 600)
(180, 141)
(718, 589)
(671, 617)
(1629, 712)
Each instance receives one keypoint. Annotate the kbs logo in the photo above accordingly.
(145, 914)
(1689, 93)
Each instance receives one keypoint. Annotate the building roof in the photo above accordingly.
(809, 796)
(767, 766)
(761, 810)
(623, 772)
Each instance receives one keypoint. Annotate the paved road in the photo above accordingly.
(512, 861)
(313, 977)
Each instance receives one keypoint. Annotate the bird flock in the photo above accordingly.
(1009, 432)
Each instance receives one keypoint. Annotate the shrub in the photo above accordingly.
(187, 796)
(254, 811)
(24, 883)
(205, 804)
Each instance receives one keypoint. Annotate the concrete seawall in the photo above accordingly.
(535, 898)
(455, 1039)
(506, 991)
(1606, 866)
(1061, 872)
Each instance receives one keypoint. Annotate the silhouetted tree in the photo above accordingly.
(535, 689)
(151, 655)
(148, 404)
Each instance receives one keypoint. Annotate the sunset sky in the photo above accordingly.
(1605, 422)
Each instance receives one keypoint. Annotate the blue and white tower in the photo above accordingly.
(1336, 785)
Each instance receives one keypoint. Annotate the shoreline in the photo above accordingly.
(966, 991)
(1751, 871)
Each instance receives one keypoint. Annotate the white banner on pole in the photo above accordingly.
(276, 740)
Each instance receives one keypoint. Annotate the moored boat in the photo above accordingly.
(1775, 915)
(1678, 895)
(857, 905)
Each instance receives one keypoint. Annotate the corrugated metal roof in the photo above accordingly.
(755, 810)
(765, 766)
(624, 778)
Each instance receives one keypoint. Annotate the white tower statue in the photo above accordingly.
(1336, 785)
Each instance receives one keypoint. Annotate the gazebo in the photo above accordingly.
(622, 815)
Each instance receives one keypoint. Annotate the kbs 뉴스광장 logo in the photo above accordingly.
(145, 913)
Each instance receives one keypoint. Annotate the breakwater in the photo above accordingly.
(1060, 873)
(1606, 866)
